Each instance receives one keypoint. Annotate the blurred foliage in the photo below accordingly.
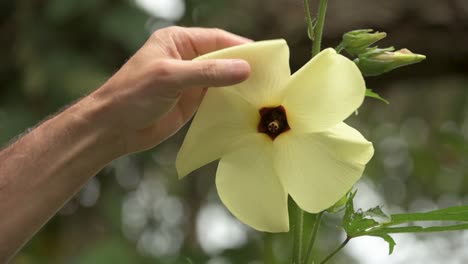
(136, 211)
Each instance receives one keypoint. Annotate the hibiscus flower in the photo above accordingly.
(278, 134)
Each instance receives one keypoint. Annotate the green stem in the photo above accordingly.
(297, 236)
(310, 24)
(269, 254)
(336, 250)
(318, 32)
(298, 230)
(339, 48)
(313, 235)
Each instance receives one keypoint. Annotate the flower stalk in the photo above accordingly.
(313, 235)
(298, 232)
(315, 33)
(269, 255)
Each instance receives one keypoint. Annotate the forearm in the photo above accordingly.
(154, 94)
(46, 167)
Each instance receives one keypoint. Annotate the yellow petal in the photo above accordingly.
(323, 92)
(269, 63)
(317, 169)
(222, 119)
(249, 187)
(348, 143)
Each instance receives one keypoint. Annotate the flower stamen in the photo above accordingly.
(273, 121)
(274, 126)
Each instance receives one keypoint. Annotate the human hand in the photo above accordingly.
(159, 89)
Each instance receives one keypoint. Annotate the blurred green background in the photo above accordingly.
(136, 210)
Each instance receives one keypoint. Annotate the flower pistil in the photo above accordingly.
(273, 121)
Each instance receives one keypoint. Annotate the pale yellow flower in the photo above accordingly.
(278, 134)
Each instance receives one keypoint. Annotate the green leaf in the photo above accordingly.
(375, 222)
(378, 213)
(389, 240)
(417, 229)
(451, 210)
(372, 94)
(349, 210)
(458, 213)
(356, 222)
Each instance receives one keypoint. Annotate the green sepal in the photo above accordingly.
(358, 41)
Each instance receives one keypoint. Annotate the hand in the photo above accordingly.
(159, 89)
(151, 97)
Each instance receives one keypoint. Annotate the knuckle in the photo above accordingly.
(167, 31)
(218, 30)
(174, 28)
(220, 36)
(161, 69)
(168, 39)
(157, 33)
(219, 33)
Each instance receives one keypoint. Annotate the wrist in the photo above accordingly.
(89, 116)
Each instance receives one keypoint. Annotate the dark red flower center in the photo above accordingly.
(273, 121)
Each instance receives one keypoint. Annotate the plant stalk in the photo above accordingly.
(318, 31)
(336, 250)
(313, 235)
(297, 235)
(298, 230)
(269, 254)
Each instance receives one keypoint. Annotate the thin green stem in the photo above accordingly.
(297, 236)
(313, 235)
(318, 31)
(336, 250)
(339, 48)
(310, 24)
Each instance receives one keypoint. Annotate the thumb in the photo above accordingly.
(210, 73)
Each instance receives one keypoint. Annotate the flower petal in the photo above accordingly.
(249, 187)
(269, 64)
(222, 119)
(323, 92)
(348, 143)
(318, 169)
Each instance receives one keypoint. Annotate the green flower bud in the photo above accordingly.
(357, 41)
(379, 61)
